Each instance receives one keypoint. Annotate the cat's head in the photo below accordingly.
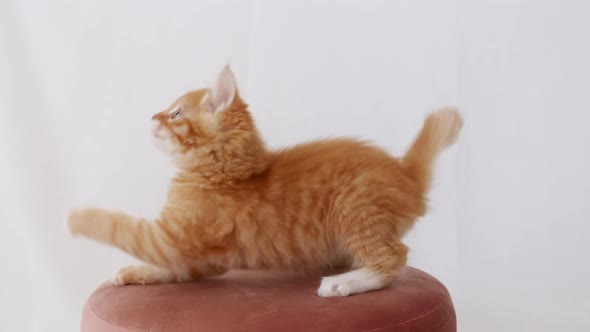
(211, 130)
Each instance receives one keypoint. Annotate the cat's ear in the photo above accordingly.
(223, 92)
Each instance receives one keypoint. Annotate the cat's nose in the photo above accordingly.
(155, 116)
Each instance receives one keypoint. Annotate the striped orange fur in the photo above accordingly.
(236, 204)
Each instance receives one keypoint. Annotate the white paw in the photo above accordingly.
(331, 287)
(125, 276)
(116, 280)
(353, 282)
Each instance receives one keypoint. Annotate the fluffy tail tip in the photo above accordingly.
(445, 124)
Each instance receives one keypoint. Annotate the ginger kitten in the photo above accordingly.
(236, 204)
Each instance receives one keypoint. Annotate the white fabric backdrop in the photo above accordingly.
(508, 227)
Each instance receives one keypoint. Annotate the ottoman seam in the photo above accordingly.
(406, 321)
(113, 323)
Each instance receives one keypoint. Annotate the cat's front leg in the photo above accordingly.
(87, 222)
(144, 240)
(99, 224)
(147, 275)
(149, 241)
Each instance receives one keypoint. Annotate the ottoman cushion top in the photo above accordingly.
(269, 301)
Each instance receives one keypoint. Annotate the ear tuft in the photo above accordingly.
(223, 91)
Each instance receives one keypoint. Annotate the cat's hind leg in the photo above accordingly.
(353, 282)
(382, 257)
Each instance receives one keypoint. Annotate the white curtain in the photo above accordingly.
(508, 227)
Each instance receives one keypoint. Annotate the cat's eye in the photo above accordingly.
(175, 113)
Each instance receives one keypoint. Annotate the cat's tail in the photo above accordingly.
(440, 130)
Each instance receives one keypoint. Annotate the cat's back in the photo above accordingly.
(339, 170)
(329, 157)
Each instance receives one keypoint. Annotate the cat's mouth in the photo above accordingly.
(161, 139)
(159, 136)
(159, 131)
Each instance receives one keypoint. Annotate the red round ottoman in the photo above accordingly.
(269, 301)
